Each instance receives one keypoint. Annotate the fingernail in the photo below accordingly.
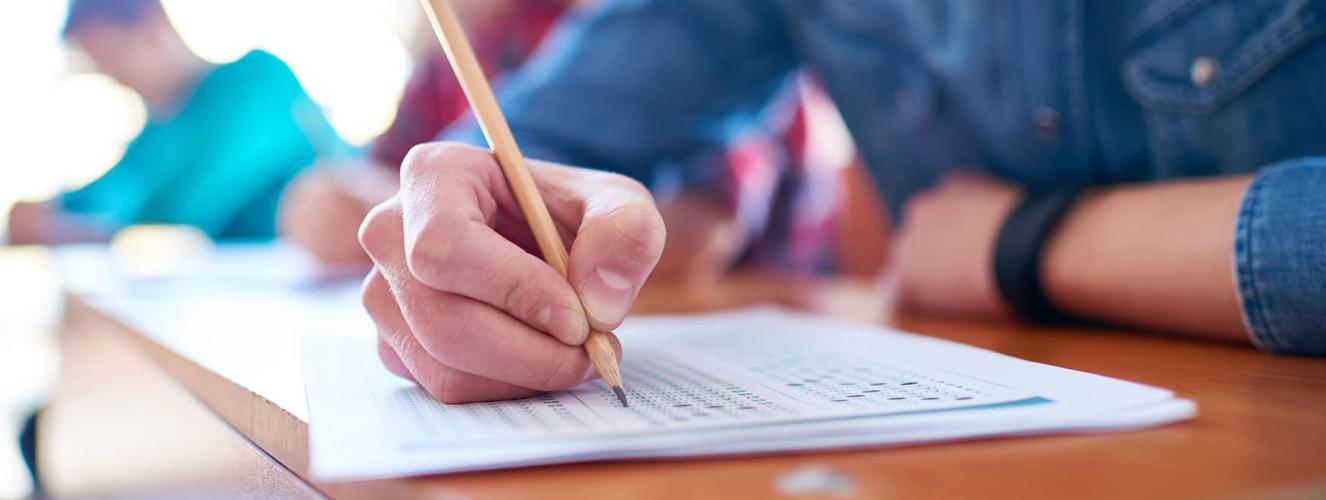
(607, 296)
(568, 325)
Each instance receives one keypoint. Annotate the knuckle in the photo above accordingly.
(459, 150)
(430, 253)
(370, 229)
(381, 224)
(375, 295)
(520, 297)
(432, 157)
(399, 346)
(450, 323)
(517, 297)
(418, 158)
(627, 184)
(640, 229)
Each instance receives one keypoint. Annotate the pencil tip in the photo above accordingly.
(621, 395)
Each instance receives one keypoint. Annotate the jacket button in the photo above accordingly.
(914, 105)
(1047, 122)
(1203, 71)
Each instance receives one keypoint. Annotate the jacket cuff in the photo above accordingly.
(1280, 257)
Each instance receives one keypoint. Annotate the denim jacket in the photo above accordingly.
(1036, 92)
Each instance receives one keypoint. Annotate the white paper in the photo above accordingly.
(751, 381)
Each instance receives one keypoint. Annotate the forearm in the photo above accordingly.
(1156, 256)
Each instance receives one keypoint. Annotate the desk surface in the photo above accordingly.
(1261, 428)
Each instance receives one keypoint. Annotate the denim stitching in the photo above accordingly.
(1256, 311)
(1175, 14)
(1244, 57)
(1256, 58)
(1253, 60)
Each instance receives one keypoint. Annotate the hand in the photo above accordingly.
(463, 304)
(29, 223)
(322, 208)
(704, 239)
(944, 256)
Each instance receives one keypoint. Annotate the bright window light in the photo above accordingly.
(345, 52)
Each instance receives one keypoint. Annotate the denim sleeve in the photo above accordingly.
(646, 88)
(1280, 257)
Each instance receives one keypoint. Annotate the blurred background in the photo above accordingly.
(63, 124)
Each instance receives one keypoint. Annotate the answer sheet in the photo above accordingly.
(703, 381)
(737, 382)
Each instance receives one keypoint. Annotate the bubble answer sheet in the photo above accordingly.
(750, 381)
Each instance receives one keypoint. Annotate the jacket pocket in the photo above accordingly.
(1194, 56)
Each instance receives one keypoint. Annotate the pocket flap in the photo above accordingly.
(1198, 54)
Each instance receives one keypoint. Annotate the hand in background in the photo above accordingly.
(321, 209)
(944, 254)
(45, 223)
(704, 239)
(29, 222)
(463, 304)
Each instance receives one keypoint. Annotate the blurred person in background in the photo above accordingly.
(766, 173)
(219, 146)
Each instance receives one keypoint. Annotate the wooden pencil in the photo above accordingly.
(480, 95)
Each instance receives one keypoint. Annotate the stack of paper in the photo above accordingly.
(752, 381)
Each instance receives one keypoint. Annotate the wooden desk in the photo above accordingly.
(1261, 429)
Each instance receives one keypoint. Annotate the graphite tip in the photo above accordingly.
(621, 395)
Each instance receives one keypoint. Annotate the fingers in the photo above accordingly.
(403, 356)
(451, 247)
(470, 314)
(474, 337)
(465, 334)
(453, 196)
(620, 240)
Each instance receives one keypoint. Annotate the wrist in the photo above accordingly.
(1020, 247)
(1063, 277)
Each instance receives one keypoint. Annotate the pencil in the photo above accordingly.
(480, 95)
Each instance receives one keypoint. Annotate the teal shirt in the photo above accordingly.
(220, 162)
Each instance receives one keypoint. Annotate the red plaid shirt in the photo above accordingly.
(433, 98)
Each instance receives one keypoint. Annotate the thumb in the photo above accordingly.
(619, 241)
